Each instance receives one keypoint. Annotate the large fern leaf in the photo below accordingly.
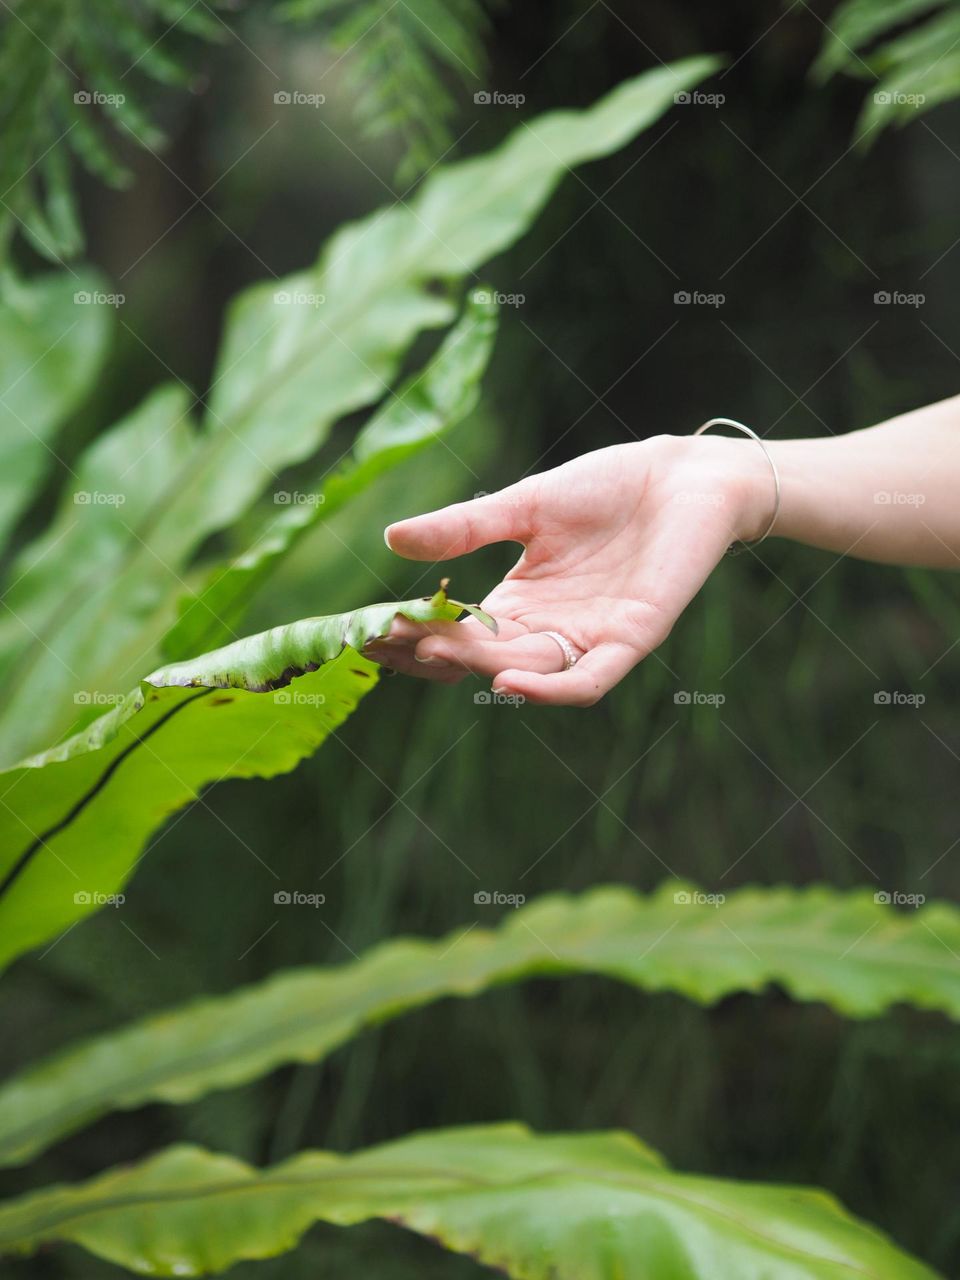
(586, 1206)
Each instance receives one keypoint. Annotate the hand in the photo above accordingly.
(616, 544)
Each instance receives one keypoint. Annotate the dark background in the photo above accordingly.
(797, 641)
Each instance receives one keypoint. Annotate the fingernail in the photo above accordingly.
(435, 662)
(386, 536)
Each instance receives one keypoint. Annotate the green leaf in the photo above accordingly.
(51, 350)
(917, 71)
(588, 1206)
(912, 72)
(427, 406)
(74, 818)
(856, 23)
(857, 955)
(298, 354)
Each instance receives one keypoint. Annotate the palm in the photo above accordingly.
(615, 546)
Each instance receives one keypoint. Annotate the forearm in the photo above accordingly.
(889, 493)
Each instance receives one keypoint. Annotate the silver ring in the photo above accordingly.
(570, 656)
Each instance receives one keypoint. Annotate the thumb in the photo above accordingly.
(464, 526)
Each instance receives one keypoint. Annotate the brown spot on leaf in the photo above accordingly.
(354, 671)
(220, 701)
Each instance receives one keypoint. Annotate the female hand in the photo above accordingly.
(616, 544)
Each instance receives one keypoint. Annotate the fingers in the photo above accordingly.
(485, 657)
(538, 680)
(400, 657)
(404, 629)
(455, 530)
(464, 650)
(584, 684)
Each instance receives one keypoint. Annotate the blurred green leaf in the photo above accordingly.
(53, 338)
(914, 71)
(855, 23)
(856, 954)
(587, 1206)
(426, 407)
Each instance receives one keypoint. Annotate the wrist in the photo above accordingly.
(739, 476)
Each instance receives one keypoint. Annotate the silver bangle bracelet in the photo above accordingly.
(748, 431)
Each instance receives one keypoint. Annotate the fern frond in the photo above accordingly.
(410, 65)
(68, 77)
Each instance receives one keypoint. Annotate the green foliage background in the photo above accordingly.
(496, 798)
